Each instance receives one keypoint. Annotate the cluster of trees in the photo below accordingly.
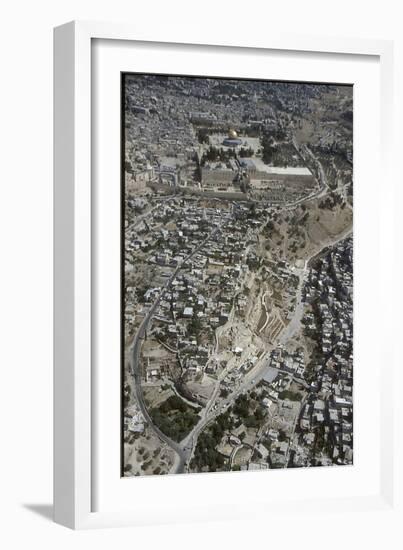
(241, 406)
(213, 154)
(202, 135)
(253, 262)
(173, 403)
(283, 155)
(206, 456)
(331, 201)
(194, 327)
(245, 152)
(248, 417)
(324, 442)
(337, 151)
(290, 395)
(268, 149)
(174, 417)
(270, 226)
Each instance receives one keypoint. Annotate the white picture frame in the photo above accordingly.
(77, 472)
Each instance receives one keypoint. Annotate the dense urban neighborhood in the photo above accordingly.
(237, 305)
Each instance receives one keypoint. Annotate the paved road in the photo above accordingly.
(140, 219)
(134, 362)
(181, 449)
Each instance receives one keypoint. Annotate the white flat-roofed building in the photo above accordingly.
(257, 169)
(342, 402)
(188, 312)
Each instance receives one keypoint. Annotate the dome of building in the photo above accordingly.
(232, 134)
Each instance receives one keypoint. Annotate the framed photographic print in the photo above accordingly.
(219, 229)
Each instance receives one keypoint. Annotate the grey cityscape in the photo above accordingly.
(237, 291)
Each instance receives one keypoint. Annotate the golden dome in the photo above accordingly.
(232, 134)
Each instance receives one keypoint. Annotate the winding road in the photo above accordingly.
(182, 449)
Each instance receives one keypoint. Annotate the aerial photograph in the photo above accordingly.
(237, 275)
